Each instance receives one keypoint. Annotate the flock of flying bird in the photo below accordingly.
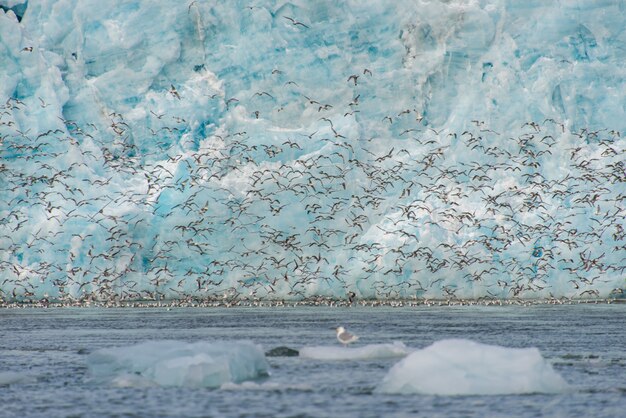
(91, 214)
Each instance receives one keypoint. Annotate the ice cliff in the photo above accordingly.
(285, 150)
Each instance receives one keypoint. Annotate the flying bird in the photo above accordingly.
(295, 22)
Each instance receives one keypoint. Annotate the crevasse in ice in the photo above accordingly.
(283, 150)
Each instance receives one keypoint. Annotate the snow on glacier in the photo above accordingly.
(176, 363)
(464, 367)
(284, 150)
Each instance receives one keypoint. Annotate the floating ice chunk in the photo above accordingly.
(463, 367)
(10, 378)
(368, 352)
(176, 363)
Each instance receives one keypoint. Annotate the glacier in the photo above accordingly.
(288, 150)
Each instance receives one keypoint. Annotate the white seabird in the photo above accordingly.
(345, 337)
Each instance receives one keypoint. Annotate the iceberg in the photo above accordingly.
(367, 352)
(285, 151)
(464, 367)
(176, 363)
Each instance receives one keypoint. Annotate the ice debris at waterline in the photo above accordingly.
(11, 378)
(176, 363)
(463, 367)
(283, 151)
(367, 352)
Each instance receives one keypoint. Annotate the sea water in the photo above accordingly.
(44, 358)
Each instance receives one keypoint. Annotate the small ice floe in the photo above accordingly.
(463, 367)
(10, 378)
(366, 352)
(176, 363)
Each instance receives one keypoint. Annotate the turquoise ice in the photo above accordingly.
(284, 150)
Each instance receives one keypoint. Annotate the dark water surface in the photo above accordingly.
(585, 343)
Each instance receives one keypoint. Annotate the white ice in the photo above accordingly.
(366, 352)
(176, 363)
(464, 367)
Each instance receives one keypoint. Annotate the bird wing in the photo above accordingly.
(346, 336)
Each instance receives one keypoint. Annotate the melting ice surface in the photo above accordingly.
(176, 363)
(283, 150)
(464, 367)
(447, 367)
(367, 352)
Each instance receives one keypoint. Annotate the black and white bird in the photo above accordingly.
(345, 337)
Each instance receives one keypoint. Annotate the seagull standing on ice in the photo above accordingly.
(345, 337)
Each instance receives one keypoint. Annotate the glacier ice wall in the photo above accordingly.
(285, 150)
